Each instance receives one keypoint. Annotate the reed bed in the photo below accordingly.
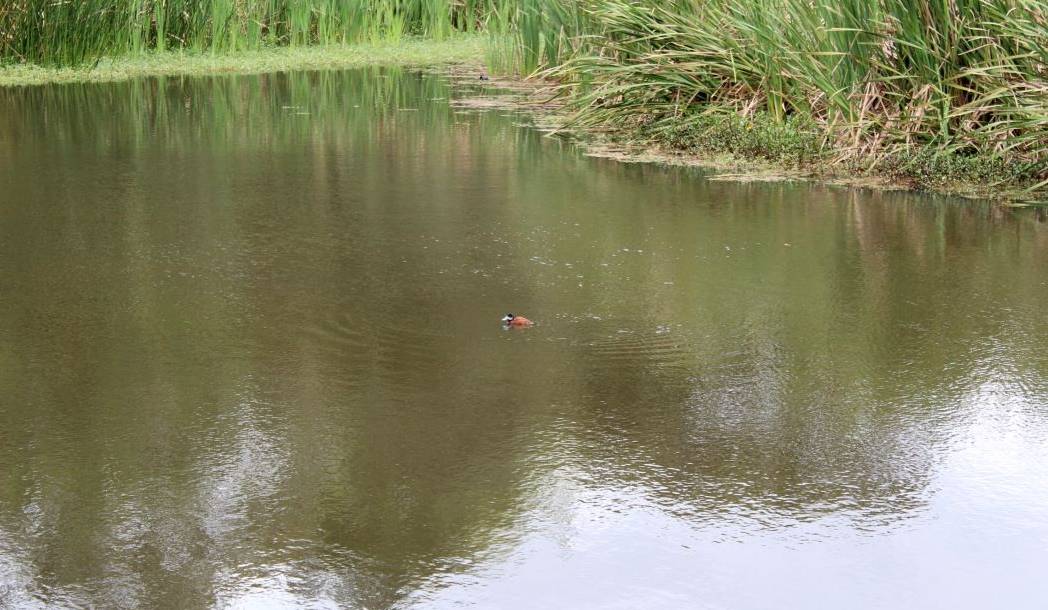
(71, 32)
(928, 89)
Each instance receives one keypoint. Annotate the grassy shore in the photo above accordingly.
(408, 51)
(743, 149)
(940, 95)
(760, 149)
(757, 149)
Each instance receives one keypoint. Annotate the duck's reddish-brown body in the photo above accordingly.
(519, 321)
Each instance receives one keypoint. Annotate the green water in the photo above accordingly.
(251, 357)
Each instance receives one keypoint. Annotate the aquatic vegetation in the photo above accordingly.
(67, 33)
(529, 34)
(905, 85)
(412, 51)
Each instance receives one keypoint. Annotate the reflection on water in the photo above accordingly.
(251, 355)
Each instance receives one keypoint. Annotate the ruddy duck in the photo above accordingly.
(519, 321)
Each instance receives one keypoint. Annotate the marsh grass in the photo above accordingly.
(69, 33)
(917, 88)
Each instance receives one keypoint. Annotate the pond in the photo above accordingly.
(252, 357)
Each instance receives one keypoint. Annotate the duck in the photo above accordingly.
(517, 321)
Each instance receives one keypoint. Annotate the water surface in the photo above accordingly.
(251, 357)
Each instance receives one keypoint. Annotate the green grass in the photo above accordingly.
(408, 52)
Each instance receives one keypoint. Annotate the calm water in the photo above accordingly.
(250, 356)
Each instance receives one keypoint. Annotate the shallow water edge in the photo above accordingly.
(408, 52)
(462, 58)
(553, 115)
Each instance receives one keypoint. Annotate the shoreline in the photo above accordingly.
(460, 59)
(409, 52)
(553, 116)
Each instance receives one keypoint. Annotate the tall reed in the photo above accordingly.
(67, 33)
(878, 81)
